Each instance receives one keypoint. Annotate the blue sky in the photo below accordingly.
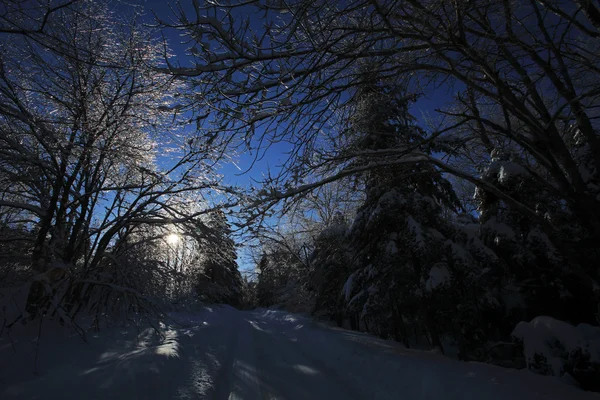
(233, 171)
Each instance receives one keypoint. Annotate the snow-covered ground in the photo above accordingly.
(222, 353)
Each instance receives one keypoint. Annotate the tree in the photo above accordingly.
(82, 114)
(330, 262)
(399, 235)
(283, 269)
(219, 280)
(30, 19)
(304, 250)
(524, 78)
(546, 279)
(524, 73)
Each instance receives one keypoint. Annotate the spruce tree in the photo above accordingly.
(406, 263)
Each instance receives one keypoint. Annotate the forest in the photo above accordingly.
(427, 171)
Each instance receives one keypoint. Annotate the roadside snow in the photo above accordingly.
(223, 353)
(557, 341)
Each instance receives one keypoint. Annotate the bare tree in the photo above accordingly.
(91, 149)
(523, 73)
(29, 18)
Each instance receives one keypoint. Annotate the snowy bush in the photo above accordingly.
(557, 348)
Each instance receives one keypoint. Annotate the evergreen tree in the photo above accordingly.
(220, 280)
(330, 263)
(407, 265)
(282, 278)
(540, 273)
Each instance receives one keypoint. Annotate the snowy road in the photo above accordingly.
(222, 353)
(272, 358)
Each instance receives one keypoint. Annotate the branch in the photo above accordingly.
(29, 207)
(40, 29)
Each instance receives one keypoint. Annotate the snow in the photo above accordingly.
(475, 244)
(552, 338)
(348, 287)
(481, 249)
(500, 228)
(458, 251)
(223, 353)
(438, 275)
(260, 115)
(416, 228)
(434, 233)
(510, 170)
(391, 247)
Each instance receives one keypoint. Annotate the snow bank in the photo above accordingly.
(359, 366)
(554, 347)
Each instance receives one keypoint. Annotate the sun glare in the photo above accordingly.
(173, 238)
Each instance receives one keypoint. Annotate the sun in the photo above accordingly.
(173, 238)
